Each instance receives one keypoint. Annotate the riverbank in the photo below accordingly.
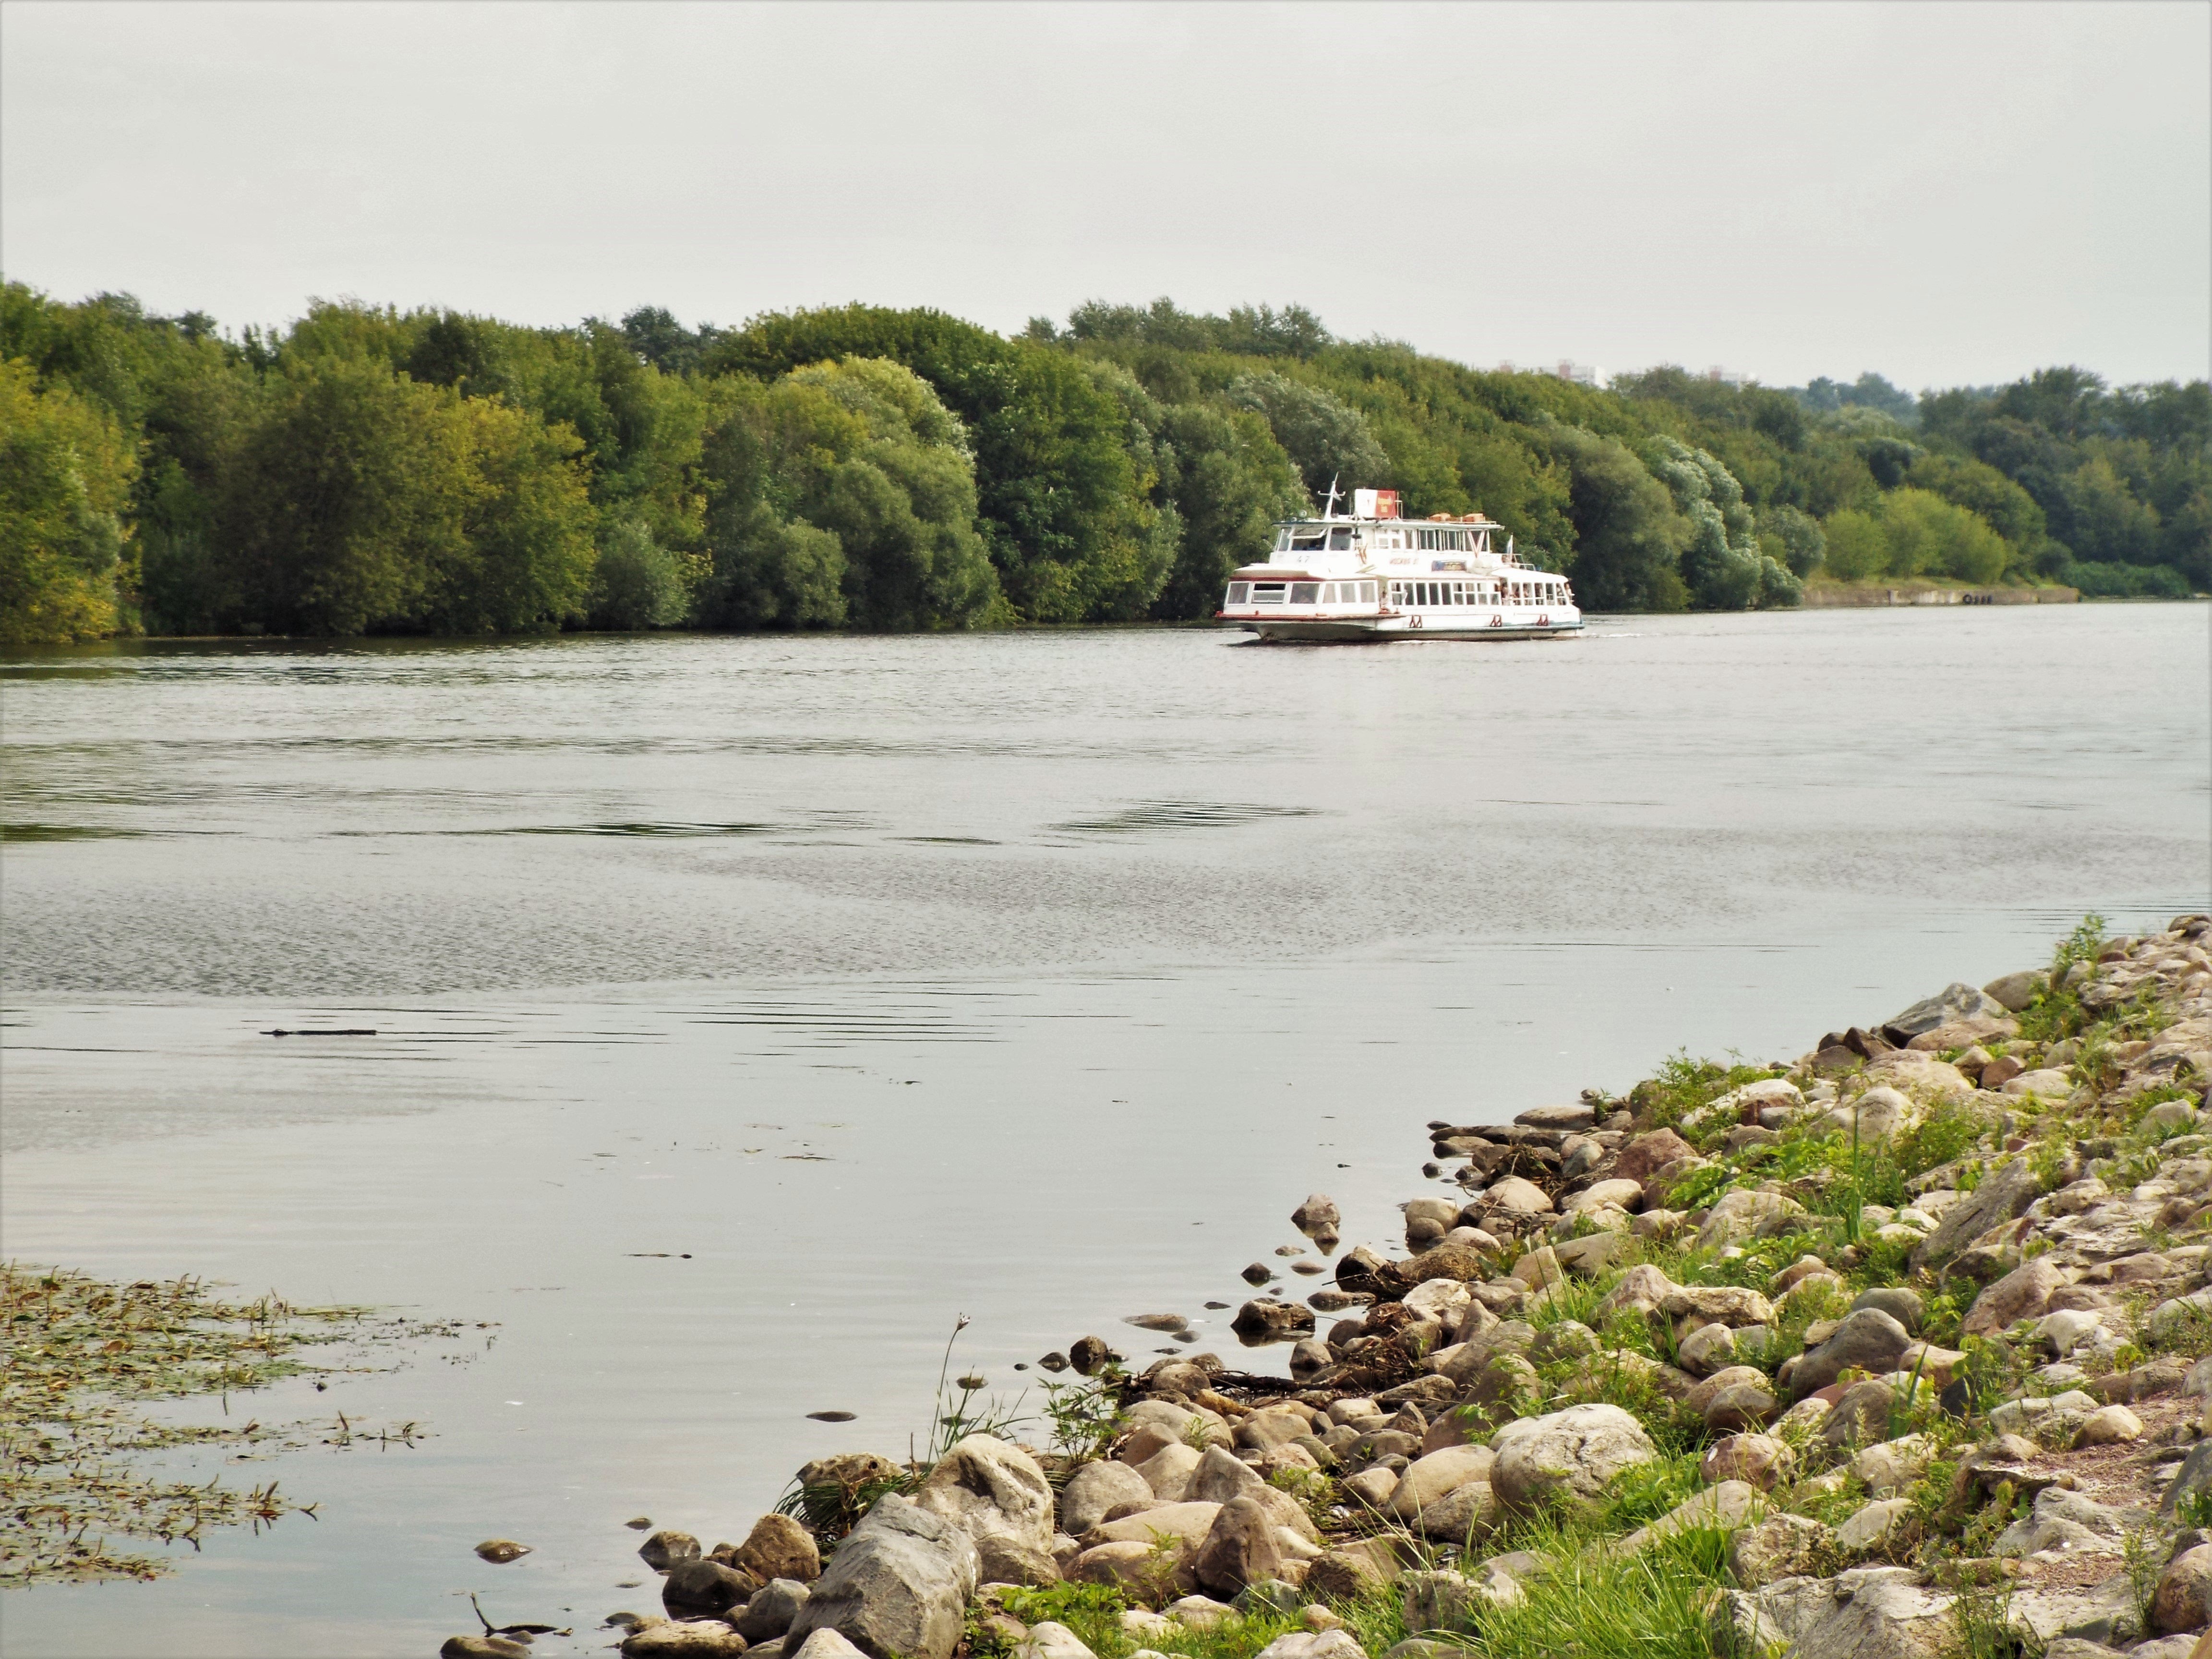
(1891, 1348)
(1848, 596)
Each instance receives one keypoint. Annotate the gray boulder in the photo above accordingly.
(771, 1610)
(1097, 1488)
(897, 1588)
(665, 1549)
(989, 1487)
(2014, 991)
(1002, 1561)
(1569, 1458)
(1952, 1003)
(704, 1587)
(1868, 1339)
(2000, 1198)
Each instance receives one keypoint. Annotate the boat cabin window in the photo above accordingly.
(1305, 593)
(1267, 592)
(1340, 540)
(1239, 593)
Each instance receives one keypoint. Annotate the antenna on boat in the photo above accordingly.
(1328, 508)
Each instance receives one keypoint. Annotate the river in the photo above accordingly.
(748, 1009)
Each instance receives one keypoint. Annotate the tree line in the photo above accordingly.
(370, 471)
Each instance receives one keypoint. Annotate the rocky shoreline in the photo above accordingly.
(1896, 1350)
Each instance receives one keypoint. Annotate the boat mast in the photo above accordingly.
(1329, 507)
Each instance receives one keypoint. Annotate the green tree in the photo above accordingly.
(1795, 535)
(1628, 536)
(1857, 546)
(637, 583)
(1055, 483)
(1721, 562)
(1326, 439)
(65, 475)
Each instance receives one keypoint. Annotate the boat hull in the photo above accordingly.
(1380, 630)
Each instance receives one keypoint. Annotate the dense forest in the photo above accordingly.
(369, 471)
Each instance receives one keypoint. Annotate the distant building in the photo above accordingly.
(1726, 376)
(1580, 373)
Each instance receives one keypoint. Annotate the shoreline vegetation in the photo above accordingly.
(1903, 1348)
(92, 1365)
(369, 471)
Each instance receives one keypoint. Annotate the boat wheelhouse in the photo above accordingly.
(1373, 575)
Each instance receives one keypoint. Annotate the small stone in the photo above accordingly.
(638, 1523)
(2112, 1425)
(501, 1550)
(665, 1549)
(1258, 1273)
(1050, 1639)
(1871, 1524)
(1087, 1354)
(1758, 1460)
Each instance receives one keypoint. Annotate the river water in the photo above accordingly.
(749, 1009)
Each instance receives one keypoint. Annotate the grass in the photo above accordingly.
(87, 1358)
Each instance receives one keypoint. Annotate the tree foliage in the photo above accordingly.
(367, 469)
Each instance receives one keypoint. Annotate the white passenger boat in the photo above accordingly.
(1372, 575)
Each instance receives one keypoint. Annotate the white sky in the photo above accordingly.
(1943, 193)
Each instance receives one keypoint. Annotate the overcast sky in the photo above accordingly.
(1945, 194)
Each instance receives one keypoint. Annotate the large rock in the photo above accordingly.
(1355, 1567)
(2013, 992)
(1647, 1155)
(1429, 1480)
(898, 1586)
(1467, 1512)
(1520, 1196)
(1868, 1339)
(1871, 1612)
(1097, 1488)
(1783, 1546)
(1266, 1319)
(779, 1547)
(769, 1615)
(1876, 1114)
(2000, 1198)
(1758, 1461)
(1581, 1115)
(706, 1639)
(989, 1487)
(1314, 1645)
(1732, 1305)
(1003, 1561)
(1050, 1639)
(1187, 1523)
(1569, 1458)
(665, 1549)
(1737, 1214)
(1220, 1477)
(2179, 1602)
(1953, 1003)
(1242, 1547)
(1725, 1508)
(703, 1586)
(1168, 1472)
(1642, 1289)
